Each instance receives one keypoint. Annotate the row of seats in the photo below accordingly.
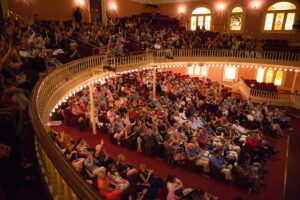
(261, 86)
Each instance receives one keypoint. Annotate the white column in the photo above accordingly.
(221, 79)
(154, 83)
(92, 109)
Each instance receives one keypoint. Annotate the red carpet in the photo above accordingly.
(273, 181)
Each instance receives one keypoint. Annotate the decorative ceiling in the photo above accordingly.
(161, 1)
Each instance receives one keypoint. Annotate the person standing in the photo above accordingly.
(77, 15)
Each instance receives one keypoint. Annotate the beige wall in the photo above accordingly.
(254, 20)
(289, 79)
(215, 74)
(297, 83)
(46, 9)
(125, 8)
(246, 73)
(63, 10)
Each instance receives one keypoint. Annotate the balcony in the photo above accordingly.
(62, 181)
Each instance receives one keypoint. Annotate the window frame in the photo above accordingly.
(193, 67)
(282, 81)
(243, 19)
(204, 18)
(275, 12)
(224, 73)
(263, 75)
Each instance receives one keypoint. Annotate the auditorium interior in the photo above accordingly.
(150, 99)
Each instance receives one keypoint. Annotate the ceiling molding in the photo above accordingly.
(162, 1)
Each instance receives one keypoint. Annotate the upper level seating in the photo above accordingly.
(156, 20)
(276, 45)
(179, 77)
(261, 86)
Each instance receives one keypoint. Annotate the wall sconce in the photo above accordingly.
(220, 8)
(113, 6)
(181, 10)
(255, 6)
(80, 3)
(181, 14)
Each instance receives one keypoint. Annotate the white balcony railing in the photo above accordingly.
(241, 55)
(273, 98)
(60, 177)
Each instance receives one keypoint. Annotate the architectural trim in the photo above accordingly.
(162, 1)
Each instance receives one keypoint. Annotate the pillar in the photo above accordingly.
(154, 83)
(222, 75)
(4, 8)
(103, 12)
(92, 109)
(294, 83)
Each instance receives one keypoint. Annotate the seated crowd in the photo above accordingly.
(18, 74)
(136, 34)
(188, 123)
(25, 55)
(116, 179)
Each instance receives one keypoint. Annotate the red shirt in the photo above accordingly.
(253, 143)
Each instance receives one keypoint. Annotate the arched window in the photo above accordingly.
(201, 17)
(280, 17)
(236, 19)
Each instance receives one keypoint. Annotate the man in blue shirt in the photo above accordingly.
(199, 159)
(218, 161)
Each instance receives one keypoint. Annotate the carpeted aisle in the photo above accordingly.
(273, 182)
(292, 191)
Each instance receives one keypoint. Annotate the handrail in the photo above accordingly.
(48, 87)
(37, 109)
(65, 175)
(275, 56)
(272, 97)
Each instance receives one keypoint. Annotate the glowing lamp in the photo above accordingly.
(220, 6)
(255, 4)
(113, 6)
(181, 10)
(80, 2)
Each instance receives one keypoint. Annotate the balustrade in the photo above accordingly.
(259, 96)
(225, 53)
(62, 181)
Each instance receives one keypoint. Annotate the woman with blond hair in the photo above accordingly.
(104, 187)
(123, 168)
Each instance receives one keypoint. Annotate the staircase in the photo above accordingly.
(272, 98)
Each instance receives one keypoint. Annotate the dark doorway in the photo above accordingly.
(95, 9)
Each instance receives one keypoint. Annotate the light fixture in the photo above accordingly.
(255, 5)
(181, 10)
(80, 2)
(113, 6)
(220, 7)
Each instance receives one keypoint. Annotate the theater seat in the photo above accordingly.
(69, 118)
